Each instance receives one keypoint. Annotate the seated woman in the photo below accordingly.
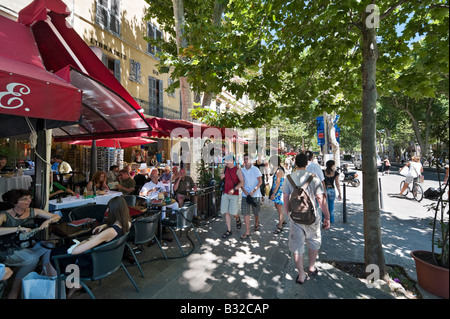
(20, 218)
(117, 224)
(56, 188)
(99, 180)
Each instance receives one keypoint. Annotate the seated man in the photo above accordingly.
(183, 185)
(166, 177)
(126, 183)
(111, 175)
(3, 167)
(56, 188)
(153, 187)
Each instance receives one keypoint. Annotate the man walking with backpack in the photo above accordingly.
(304, 221)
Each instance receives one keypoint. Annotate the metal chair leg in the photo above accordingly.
(135, 259)
(129, 276)
(160, 247)
(178, 242)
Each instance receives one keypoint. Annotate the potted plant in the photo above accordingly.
(432, 267)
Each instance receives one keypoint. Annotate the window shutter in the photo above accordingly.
(117, 69)
(101, 13)
(104, 59)
(158, 37)
(151, 35)
(160, 98)
(115, 16)
(138, 72)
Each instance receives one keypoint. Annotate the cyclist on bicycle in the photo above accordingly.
(415, 170)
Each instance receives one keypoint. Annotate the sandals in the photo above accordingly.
(278, 231)
(245, 236)
(238, 223)
(313, 273)
(297, 280)
(257, 227)
(226, 234)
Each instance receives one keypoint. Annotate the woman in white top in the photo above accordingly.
(415, 170)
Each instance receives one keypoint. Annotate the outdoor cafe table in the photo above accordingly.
(14, 182)
(73, 201)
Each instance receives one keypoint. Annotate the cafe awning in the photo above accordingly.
(120, 142)
(165, 127)
(29, 92)
(108, 109)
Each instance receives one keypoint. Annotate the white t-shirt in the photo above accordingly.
(299, 177)
(149, 185)
(414, 169)
(251, 180)
(315, 169)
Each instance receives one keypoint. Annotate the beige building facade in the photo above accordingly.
(115, 30)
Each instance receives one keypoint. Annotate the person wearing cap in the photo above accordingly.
(142, 177)
(234, 180)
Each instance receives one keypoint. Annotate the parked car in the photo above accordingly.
(357, 161)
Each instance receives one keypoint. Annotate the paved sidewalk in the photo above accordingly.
(261, 267)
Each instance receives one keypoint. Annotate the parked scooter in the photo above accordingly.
(350, 178)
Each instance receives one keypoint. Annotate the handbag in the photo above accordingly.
(35, 286)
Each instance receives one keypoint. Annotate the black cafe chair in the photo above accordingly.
(106, 260)
(179, 220)
(130, 199)
(96, 211)
(143, 231)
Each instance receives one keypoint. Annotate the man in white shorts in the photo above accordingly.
(300, 234)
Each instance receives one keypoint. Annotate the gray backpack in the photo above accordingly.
(301, 207)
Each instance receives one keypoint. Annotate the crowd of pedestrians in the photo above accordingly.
(321, 186)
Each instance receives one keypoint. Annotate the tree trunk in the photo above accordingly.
(373, 250)
(185, 89)
(219, 9)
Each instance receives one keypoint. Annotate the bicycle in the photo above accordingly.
(414, 188)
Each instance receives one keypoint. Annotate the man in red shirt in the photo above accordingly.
(234, 180)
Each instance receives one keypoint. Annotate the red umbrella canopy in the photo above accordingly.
(291, 153)
(120, 142)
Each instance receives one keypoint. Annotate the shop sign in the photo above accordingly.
(108, 48)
